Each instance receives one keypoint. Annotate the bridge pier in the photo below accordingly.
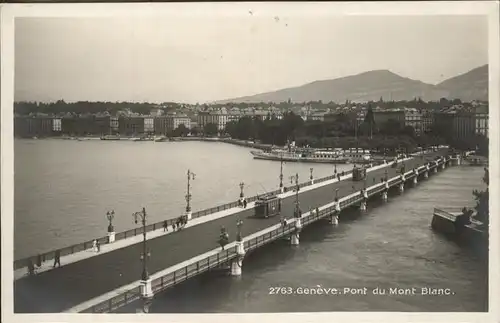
(457, 161)
(146, 294)
(426, 174)
(295, 238)
(362, 207)
(435, 169)
(443, 165)
(282, 190)
(146, 305)
(237, 264)
(384, 196)
(401, 187)
(334, 217)
(415, 181)
(111, 237)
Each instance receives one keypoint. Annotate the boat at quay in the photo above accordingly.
(309, 155)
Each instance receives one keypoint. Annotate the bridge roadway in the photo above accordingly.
(60, 289)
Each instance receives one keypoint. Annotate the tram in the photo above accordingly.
(358, 173)
(267, 206)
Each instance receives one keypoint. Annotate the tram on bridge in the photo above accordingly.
(358, 173)
(267, 206)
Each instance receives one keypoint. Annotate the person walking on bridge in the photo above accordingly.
(57, 259)
(245, 203)
(165, 226)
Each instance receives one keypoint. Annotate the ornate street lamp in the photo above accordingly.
(141, 217)
(190, 176)
(295, 179)
(281, 171)
(242, 185)
(110, 215)
(238, 233)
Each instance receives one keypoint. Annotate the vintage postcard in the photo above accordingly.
(274, 162)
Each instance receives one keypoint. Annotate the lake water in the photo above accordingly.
(64, 188)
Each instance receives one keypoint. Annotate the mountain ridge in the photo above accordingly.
(372, 85)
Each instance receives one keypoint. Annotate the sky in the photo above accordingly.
(200, 59)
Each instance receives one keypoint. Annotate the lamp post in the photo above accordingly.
(386, 177)
(335, 169)
(311, 175)
(295, 179)
(141, 216)
(110, 215)
(239, 223)
(336, 194)
(190, 176)
(281, 173)
(242, 185)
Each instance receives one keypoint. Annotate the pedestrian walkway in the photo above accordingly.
(123, 243)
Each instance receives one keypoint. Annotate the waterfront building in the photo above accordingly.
(459, 122)
(27, 126)
(220, 118)
(382, 116)
(85, 125)
(175, 121)
(413, 118)
(427, 120)
(149, 126)
(161, 125)
(131, 126)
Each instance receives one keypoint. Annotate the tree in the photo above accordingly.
(180, 131)
(370, 120)
(195, 131)
(210, 129)
(482, 201)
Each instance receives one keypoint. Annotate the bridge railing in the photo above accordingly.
(116, 302)
(21, 263)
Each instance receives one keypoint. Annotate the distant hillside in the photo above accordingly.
(375, 84)
(472, 85)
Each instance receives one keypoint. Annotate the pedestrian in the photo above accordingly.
(173, 226)
(39, 261)
(31, 268)
(245, 203)
(57, 259)
(94, 245)
(165, 226)
(317, 211)
(98, 246)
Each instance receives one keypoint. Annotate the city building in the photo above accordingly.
(85, 125)
(161, 125)
(28, 127)
(382, 116)
(173, 122)
(149, 125)
(413, 118)
(130, 126)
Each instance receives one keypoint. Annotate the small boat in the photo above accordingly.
(111, 137)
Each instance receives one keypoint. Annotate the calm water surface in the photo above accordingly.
(63, 189)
